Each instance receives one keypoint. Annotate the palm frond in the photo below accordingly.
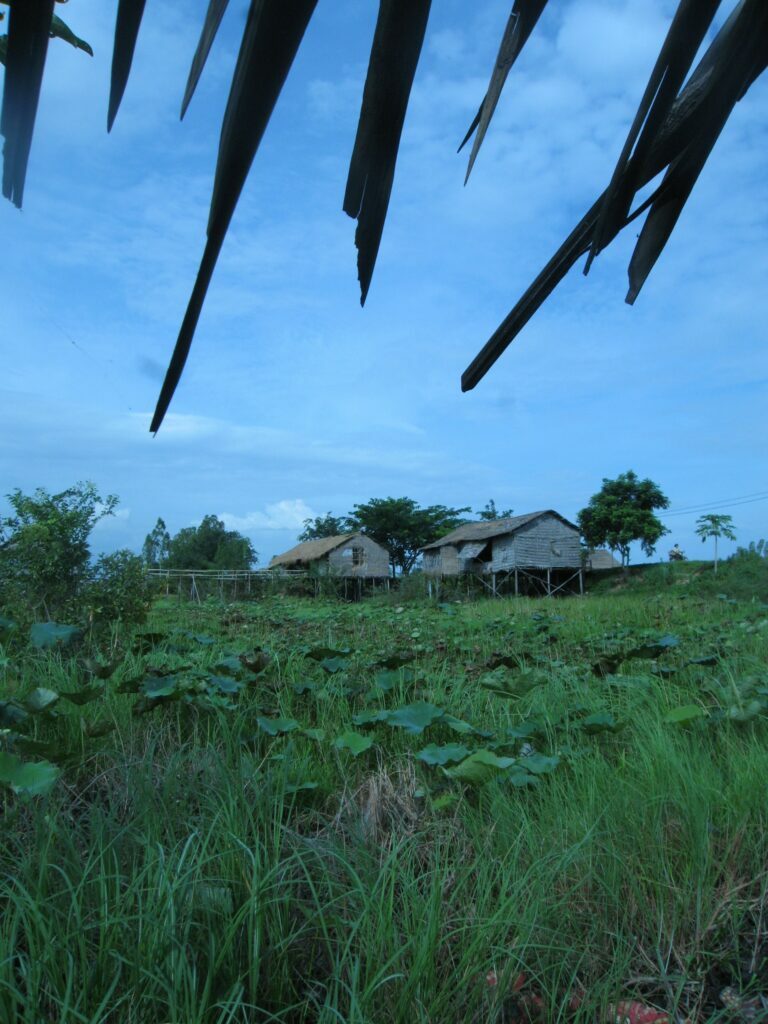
(521, 23)
(687, 31)
(744, 55)
(29, 28)
(216, 9)
(272, 34)
(681, 143)
(397, 44)
(129, 14)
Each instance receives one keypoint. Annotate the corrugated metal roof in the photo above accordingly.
(311, 550)
(492, 528)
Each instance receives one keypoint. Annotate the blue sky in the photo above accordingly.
(296, 401)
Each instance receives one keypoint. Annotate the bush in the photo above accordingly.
(119, 590)
(44, 550)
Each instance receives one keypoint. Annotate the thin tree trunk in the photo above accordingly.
(715, 552)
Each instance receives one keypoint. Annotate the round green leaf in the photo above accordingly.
(51, 634)
(479, 768)
(353, 742)
(276, 726)
(434, 755)
(31, 779)
(414, 718)
(40, 699)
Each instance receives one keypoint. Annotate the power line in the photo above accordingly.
(746, 499)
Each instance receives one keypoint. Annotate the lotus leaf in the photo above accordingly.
(40, 699)
(52, 634)
(32, 779)
(479, 768)
(354, 742)
(434, 755)
(277, 726)
(415, 718)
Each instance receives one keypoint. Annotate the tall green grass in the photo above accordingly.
(173, 875)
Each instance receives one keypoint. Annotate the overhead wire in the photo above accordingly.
(746, 499)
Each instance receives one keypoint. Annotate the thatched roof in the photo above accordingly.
(602, 559)
(489, 528)
(312, 550)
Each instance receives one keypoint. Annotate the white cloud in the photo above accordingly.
(288, 514)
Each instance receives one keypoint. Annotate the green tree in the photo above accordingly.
(404, 528)
(490, 512)
(715, 526)
(328, 525)
(44, 547)
(156, 546)
(210, 546)
(621, 513)
(118, 590)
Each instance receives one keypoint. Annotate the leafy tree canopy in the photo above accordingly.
(621, 513)
(44, 546)
(490, 511)
(328, 525)
(715, 526)
(210, 546)
(403, 527)
(156, 546)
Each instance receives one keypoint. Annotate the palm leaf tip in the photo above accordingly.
(27, 46)
(271, 38)
(397, 44)
(520, 24)
(215, 13)
(129, 15)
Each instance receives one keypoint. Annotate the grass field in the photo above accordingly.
(301, 810)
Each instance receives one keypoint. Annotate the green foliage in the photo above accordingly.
(52, 634)
(400, 525)
(210, 546)
(235, 791)
(44, 548)
(489, 512)
(118, 590)
(622, 513)
(755, 550)
(328, 525)
(354, 742)
(60, 30)
(24, 778)
(715, 526)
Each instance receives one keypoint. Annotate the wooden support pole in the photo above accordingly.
(516, 586)
(549, 583)
(581, 582)
(493, 584)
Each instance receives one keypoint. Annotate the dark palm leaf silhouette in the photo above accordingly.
(679, 119)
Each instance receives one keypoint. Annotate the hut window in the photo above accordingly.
(355, 555)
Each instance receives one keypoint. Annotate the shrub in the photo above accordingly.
(119, 590)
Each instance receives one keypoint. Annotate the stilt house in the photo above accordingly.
(347, 555)
(536, 553)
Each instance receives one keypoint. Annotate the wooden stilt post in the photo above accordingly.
(549, 582)
(517, 592)
(581, 582)
(493, 584)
